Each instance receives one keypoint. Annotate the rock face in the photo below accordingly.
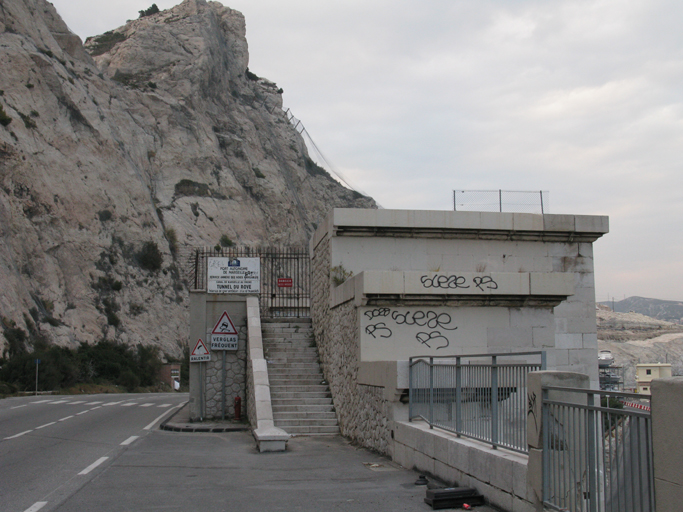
(118, 156)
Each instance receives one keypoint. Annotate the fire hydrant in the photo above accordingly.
(238, 408)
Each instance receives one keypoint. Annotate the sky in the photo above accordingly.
(411, 100)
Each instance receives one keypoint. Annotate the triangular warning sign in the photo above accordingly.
(200, 349)
(224, 325)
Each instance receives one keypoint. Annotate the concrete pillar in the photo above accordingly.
(667, 418)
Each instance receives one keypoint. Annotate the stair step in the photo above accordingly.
(312, 431)
(302, 402)
(303, 408)
(300, 415)
(299, 395)
(304, 422)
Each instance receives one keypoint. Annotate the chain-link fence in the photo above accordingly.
(515, 201)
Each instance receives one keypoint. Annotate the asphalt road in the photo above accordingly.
(52, 446)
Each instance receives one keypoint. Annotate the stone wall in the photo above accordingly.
(362, 411)
(235, 379)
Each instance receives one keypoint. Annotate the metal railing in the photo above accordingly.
(285, 276)
(519, 201)
(597, 454)
(481, 396)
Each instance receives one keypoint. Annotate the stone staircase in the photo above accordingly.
(302, 404)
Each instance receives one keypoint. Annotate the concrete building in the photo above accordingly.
(646, 373)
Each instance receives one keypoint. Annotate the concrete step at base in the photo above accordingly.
(312, 431)
(318, 418)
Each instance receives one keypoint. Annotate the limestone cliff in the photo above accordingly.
(153, 136)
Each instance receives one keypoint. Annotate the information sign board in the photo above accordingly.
(224, 334)
(200, 353)
(284, 282)
(234, 275)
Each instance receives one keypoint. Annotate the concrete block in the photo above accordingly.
(527, 222)
(409, 458)
(501, 473)
(535, 474)
(520, 486)
(667, 418)
(592, 224)
(259, 365)
(264, 410)
(494, 495)
(590, 341)
(271, 439)
(551, 284)
(459, 456)
(447, 473)
(585, 249)
(583, 357)
(519, 505)
(398, 453)
(424, 442)
(569, 341)
(480, 465)
(496, 221)
(516, 337)
(441, 442)
(389, 282)
(423, 462)
(668, 496)
(543, 337)
(531, 317)
(559, 223)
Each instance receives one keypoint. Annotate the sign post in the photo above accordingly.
(37, 363)
(198, 355)
(223, 338)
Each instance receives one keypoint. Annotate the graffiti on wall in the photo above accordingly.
(453, 282)
(432, 326)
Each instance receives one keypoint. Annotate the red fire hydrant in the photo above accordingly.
(238, 408)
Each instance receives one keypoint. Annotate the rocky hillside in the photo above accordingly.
(634, 338)
(118, 155)
(668, 310)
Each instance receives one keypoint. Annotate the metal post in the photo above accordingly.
(410, 389)
(431, 392)
(542, 210)
(201, 391)
(546, 446)
(458, 396)
(592, 459)
(500, 200)
(494, 401)
(37, 363)
(223, 390)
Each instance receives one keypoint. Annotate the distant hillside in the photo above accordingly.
(668, 310)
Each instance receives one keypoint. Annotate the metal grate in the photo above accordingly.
(516, 201)
(285, 276)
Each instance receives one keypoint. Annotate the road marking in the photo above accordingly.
(93, 403)
(93, 465)
(59, 402)
(129, 404)
(147, 405)
(149, 427)
(19, 435)
(41, 402)
(95, 408)
(112, 403)
(79, 402)
(165, 405)
(36, 506)
(129, 440)
(64, 419)
(83, 412)
(46, 425)
(18, 406)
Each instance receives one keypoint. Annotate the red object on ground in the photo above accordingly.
(238, 408)
(466, 506)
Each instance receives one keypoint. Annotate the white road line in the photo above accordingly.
(18, 406)
(36, 506)
(41, 402)
(165, 405)
(78, 402)
(129, 440)
(83, 412)
(64, 419)
(112, 403)
(46, 425)
(128, 404)
(93, 403)
(146, 405)
(59, 402)
(149, 427)
(93, 465)
(19, 434)
(95, 408)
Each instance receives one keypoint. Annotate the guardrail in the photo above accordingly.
(481, 396)
(597, 456)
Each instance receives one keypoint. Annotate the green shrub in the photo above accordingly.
(339, 274)
(225, 241)
(106, 42)
(149, 11)
(258, 173)
(172, 239)
(192, 188)
(105, 215)
(28, 122)
(4, 118)
(149, 257)
(251, 76)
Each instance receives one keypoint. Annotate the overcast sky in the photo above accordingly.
(410, 100)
